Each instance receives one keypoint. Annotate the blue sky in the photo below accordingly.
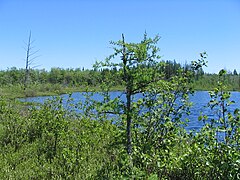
(76, 33)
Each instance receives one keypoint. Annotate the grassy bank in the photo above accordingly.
(17, 91)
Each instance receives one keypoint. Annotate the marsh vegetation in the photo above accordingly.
(142, 138)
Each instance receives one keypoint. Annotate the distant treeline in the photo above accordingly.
(76, 76)
(209, 81)
(93, 77)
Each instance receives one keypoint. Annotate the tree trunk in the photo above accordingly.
(129, 122)
(27, 62)
(127, 79)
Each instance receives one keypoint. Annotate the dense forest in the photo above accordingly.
(79, 78)
(73, 77)
(64, 80)
(142, 138)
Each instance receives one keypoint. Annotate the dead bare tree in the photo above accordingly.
(30, 57)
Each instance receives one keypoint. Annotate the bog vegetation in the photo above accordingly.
(59, 81)
(140, 138)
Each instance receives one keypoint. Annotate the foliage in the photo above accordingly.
(42, 82)
(61, 139)
(47, 141)
(216, 146)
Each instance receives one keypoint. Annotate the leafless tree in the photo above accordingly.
(30, 57)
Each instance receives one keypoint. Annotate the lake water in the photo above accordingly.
(199, 100)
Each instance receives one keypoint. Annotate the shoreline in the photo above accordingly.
(13, 92)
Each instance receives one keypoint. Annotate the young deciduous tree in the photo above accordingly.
(151, 113)
(138, 69)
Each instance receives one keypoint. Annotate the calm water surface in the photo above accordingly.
(199, 99)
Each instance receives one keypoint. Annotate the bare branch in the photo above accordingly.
(29, 58)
